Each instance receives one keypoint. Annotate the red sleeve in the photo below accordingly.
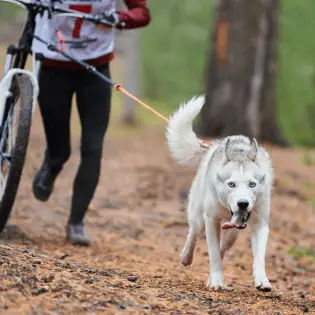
(137, 15)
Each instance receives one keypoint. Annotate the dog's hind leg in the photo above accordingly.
(187, 254)
(228, 238)
(196, 227)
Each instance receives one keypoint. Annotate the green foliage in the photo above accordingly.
(301, 252)
(9, 11)
(175, 50)
(307, 159)
(296, 94)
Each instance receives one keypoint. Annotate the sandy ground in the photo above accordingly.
(138, 230)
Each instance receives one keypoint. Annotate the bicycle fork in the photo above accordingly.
(9, 59)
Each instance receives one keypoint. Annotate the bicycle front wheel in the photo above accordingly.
(14, 137)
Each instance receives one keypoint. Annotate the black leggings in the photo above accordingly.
(93, 96)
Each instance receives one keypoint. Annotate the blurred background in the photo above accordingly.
(168, 62)
(255, 61)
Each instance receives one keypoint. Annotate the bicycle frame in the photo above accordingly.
(16, 58)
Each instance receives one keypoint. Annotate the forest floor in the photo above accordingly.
(138, 230)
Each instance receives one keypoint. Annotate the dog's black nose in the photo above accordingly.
(243, 204)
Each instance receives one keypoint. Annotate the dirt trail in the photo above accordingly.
(138, 231)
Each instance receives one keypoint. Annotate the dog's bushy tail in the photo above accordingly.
(183, 143)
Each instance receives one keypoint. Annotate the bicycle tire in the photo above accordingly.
(24, 91)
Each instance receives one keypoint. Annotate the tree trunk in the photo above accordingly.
(241, 76)
(128, 44)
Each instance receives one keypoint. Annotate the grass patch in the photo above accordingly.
(301, 252)
(307, 158)
(307, 185)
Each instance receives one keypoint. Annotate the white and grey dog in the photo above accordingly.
(233, 182)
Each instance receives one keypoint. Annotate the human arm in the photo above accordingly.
(137, 14)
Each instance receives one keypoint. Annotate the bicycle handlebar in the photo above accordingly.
(39, 7)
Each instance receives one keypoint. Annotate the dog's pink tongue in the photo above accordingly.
(228, 225)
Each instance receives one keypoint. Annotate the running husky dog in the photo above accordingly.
(233, 182)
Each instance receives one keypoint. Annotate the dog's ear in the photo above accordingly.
(228, 152)
(252, 153)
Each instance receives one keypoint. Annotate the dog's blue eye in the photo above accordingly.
(252, 184)
(231, 184)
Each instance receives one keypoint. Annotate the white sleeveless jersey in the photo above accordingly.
(83, 39)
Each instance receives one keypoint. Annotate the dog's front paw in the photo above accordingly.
(216, 282)
(218, 287)
(186, 258)
(263, 285)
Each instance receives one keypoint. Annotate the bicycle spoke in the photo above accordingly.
(12, 131)
(13, 142)
(7, 157)
(3, 180)
(7, 143)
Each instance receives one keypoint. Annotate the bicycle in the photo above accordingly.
(18, 95)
